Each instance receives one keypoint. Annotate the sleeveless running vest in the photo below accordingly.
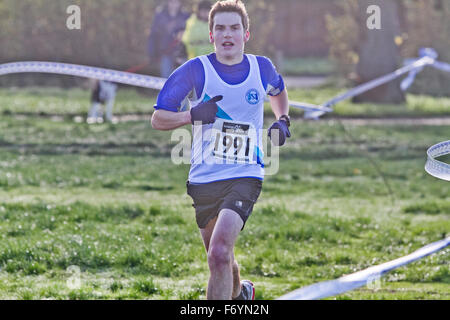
(232, 146)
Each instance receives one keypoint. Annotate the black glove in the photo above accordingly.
(282, 126)
(205, 111)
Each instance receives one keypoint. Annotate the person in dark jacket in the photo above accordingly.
(165, 39)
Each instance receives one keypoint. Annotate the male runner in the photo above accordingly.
(226, 89)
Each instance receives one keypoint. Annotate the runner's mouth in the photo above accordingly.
(227, 44)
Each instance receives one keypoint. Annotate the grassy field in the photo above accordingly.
(307, 66)
(108, 200)
(75, 102)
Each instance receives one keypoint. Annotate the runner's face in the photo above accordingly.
(229, 37)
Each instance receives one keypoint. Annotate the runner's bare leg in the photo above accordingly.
(219, 237)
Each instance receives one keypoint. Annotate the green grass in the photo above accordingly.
(108, 199)
(415, 106)
(76, 102)
(49, 101)
(311, 66)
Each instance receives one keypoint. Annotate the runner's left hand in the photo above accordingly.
(283, 132)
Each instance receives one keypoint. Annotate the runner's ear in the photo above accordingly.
(247, 36)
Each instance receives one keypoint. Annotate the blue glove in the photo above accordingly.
(205, 111)
(283, 131)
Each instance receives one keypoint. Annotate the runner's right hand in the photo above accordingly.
(205, 112)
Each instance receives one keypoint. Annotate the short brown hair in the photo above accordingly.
(229, 6)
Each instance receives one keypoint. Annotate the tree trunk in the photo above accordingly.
(378, 52)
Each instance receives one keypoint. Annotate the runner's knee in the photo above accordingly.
(219, 255)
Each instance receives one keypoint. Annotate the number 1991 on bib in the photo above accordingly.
(234, 141)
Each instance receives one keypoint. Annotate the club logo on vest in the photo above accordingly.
(252, 96)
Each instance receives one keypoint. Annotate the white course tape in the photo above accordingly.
(331, 288)
(441, 66)
(427, 57)
(437, 168)
(381, 80)
(110, 75)
(83, 71)
(412, 67)
(423, 52)
(309, 107)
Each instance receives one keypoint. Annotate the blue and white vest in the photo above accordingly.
(232, 146)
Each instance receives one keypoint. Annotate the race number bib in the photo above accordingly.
(233, 141)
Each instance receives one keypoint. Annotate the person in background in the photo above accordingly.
(195, 37)
(103, 92)
(165, 39)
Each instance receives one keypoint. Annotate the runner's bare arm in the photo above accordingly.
(280, 104)
(167, 120)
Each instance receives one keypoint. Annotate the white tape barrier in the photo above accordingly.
(435, 167)
(111, 76)
(423, 52)
(441, 66)
(419, 64)
(331, 288)
(131, 79)
(380, 81)
(427, 57)
(309, 107)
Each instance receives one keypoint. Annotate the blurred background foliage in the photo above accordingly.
(114, 34)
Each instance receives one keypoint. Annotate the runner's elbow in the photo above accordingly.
(156, 122)
(160, 122)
